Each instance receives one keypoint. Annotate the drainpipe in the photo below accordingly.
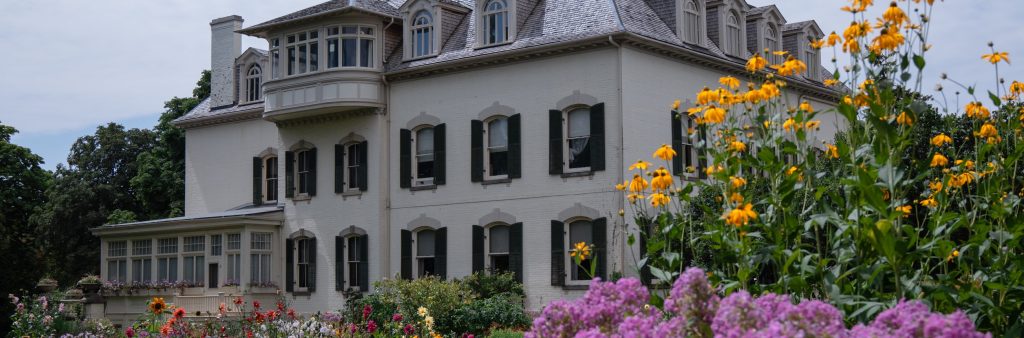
(621, 238)
(384, 125)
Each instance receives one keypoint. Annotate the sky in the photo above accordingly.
(72, 65)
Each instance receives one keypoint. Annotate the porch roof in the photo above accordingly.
(268, 215)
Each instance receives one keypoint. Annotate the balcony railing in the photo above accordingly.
(327, 92)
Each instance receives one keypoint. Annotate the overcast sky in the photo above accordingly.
(71, 65)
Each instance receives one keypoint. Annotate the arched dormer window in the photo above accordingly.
(253, 84)
(496, 22)
(771, 42)
(812, 61)
(691, 22)
(422, 34)
(733, 40)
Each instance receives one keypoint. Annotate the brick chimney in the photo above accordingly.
(225, 46)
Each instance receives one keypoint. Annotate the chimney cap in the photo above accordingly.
(230, 18)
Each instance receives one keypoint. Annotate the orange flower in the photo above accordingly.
(756, 63)
(996, 57)
(179, 312)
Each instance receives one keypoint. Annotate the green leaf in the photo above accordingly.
(919, 62)
(995, 99)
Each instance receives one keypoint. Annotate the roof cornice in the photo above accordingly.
(250, 114)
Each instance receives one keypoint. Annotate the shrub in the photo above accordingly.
(504, 311)
(486, 285)
(505, 334)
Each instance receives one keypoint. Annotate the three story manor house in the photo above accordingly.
(398, 139)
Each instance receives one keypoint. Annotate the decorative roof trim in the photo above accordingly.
(260, 30)
(255, 113)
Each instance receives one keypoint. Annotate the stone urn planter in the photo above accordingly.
(46, 285)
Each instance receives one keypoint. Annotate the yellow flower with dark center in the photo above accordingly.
(791, 170)
(831, 82)
(756, 63)
(977, 110)
(711, 170)
(665, 152)
(831, 151)
(956, 253)
(905, 119)
(792, 66)
(621, 186)
(740, 216)
(769, 90)
(730, 82)
(888, 40)
(856, 30)
(961, 179)
(422, 311)
(790, 125)
(157, 305)
(714, 115)
(581, 250)
(633, 197)
(641, 164)
(638, 184)
(1016, 88)
(968, 164)
(661, 179)
(905, 209)
(941, 139)
(817, 44)
(988, 130)
(851, 46)
(736, 198)
(812, 125)
(737, 146)
(894, 15)
(707, 96)
(935, 186)
(737, 182)
(806, 106)
(938, 160)
(658, 200)
(929, 203)
(997, 57)
(833, 39)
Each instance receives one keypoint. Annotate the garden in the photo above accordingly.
(907, 224)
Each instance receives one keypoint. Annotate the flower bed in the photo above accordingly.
(694, 309)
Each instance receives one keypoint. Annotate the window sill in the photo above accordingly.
(352, 193)
(576, 287)
(301, 197)
(578, 174)
(302, 293)
(497, 181)
(424, 187)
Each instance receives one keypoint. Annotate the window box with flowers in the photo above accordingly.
(264, 288)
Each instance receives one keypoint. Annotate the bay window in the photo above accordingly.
(303, 52)
(260, 247)
(350, 46)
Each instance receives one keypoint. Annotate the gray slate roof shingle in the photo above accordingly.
(382, 7)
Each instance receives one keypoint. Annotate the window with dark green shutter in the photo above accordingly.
(478, 248)
(494, 148)
(289, 174)
(350, 167)
(305, 172)
(405, 158)
(577, 140)
(257, 180)
(555, 142)
(339, 263)
(406, 251)
(682, 125)
(515, 152)
(557, 253)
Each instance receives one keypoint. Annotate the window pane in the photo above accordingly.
(366, 53)
(291, 60)
(425, 243)
(499, 263)
(314, 56)
(498, 163)
(499, 238)
(302, 59)
(425, 141)
(580, 231)
(366, 30)
(332, 53)
(579, 123)
(497, 133)
(215, 245)
(348, 52)
(349, 29)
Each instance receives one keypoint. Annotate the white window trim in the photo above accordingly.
(435, 31)
(566, 166)
(318, 40)
(416, 181)
(684, 31)
(772, 44)
(359, 37)
(348, 166)
(253, 251)
(567, 241)
(253, 81)
(487, 148)
(275, 57)
(415, 252)
(510, 23)
(488, 255)
(113, 267)
(734, 48)
(297, 263)
(266, 179)
(347, 260)
(228, 264)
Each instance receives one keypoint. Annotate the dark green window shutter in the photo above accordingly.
(406, 254)
(289, 174)
(476, 148)
(439, 158)
(678, 166)
(557, 253)
(404, 158)
(364, 165)
(289, 265)
(339, 168)
(515, 251)
(339, 263)
(311, 253)
(597, 137)
(441, 252)
(555, 142)
(257, 181)
(515, 152)
(702, 160)
(478, 248)
(364, 263)
(311, 157)
(601, 247)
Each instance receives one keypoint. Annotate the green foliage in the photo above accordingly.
(506, 334)
(481, 315)
(486, 285)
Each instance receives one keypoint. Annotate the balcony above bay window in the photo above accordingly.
(332, 67)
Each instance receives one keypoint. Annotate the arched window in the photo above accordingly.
(422, 34)
(499, 248)
(423, 144)
(771, 42)
(253, 82)
(691, 19)
(732, 34)
(495, 22)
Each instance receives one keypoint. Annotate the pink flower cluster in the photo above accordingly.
(694, 309)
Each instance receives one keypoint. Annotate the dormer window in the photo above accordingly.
(771, 42)
(422, 34)
(303, 52)
(253, 84)
(495, 22)
(812, 60)
(733, 41)
(350, 46)
(691, 22)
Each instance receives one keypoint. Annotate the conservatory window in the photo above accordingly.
(234, 244)
(260, 258)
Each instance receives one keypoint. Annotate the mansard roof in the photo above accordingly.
(388, 8)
